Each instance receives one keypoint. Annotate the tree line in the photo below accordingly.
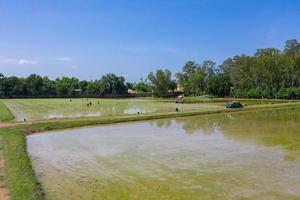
(35, 85)
(269, 73)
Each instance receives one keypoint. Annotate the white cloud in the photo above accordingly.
(65, 58)
(74, 67)
(27, 62)
(22, 61)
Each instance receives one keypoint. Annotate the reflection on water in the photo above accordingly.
(252, 155)
(270, 128)
(98, 111)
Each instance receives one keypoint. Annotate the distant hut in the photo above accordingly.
(131, 91)
(179, 88)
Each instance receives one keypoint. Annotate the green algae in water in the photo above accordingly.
(253, 155)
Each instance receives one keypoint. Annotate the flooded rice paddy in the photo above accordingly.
(44, 109)
(251, 155)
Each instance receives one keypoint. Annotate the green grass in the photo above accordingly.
(20, 177)
(21, 180)
(5, 114)
(242, 100)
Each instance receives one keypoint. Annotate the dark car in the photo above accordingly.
(234, 104)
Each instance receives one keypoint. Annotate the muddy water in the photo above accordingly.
(252, 155)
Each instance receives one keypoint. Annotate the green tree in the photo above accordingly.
(12, 86)
(112, 84)
(94, 87)
(66, 86)
(194, 77)
(292, 63)
(219, 86)
(142, 86)
(209, 68)
(161, 82)
(184, 77)
(129, 85)
(34, 85)
(48, 86)
(197, 82)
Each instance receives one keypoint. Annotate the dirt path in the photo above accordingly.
(8, 124)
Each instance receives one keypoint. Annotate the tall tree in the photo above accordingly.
(219, 86)
(161, 82)
(66, 86)
(48, 86)
(112, 84)
(142, 86)
(34, 84)
(184, 77)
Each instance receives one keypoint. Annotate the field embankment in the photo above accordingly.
(247, 101)
(19, 176)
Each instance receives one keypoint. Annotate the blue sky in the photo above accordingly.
(87, 39)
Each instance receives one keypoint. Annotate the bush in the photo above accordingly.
(251, 93)
(288, 93)
(267, 93)
(239, 93)
(255, 92)
(282, 93)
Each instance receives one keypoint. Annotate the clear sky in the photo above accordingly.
(89, 38)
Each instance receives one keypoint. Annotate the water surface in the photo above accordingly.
(44, 109)
(253, 155)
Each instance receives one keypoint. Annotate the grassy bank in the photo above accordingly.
(247, 101)
(5, 114)
(20, 177)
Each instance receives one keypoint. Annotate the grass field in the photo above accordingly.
(19, 176)
(5, 114)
